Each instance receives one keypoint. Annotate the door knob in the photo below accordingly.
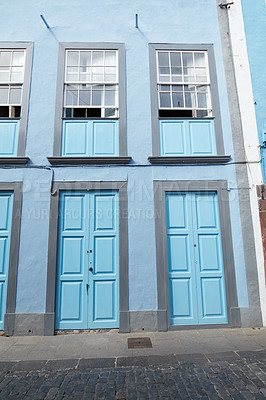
(91, 269)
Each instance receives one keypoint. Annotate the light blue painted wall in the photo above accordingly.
(114, 21)
(254, 13)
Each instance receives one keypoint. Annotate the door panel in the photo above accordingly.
(105, 260)
(195, 263)
(6, 207)
(88, 259)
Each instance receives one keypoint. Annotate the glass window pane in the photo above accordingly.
(72, 78)
(201, 75)
(72, 69)
(4, 75)
(18, 58)
(202, 88)
(175, 59)
(110, 112)
(176, 71)
(178, 100)
(190, 100)
(177, 88)
(110, 98)
(97, 96)
(84, 77)
(189, 74)
(110, 74)
(203, 113)
(202, 100)
(164, 88)
(71, 98)
(72, 58)
(97, 74)
(164, 71)
(97, 58)
(110, 58)
(163, 59)
(177, 78)
(200, 59)
(189, 88)
(15, 95)
(85, 58)
(85, 98)
(187, 59)
(3, 95)
(165, 100)
(17, 74)
(5, 58)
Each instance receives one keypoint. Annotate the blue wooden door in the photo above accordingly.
(6, 207)
(195, 263)
(88, 259)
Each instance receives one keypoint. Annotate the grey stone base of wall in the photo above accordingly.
(26, 324)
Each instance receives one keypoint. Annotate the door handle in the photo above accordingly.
(90, 269)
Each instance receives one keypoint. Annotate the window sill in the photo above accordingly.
(13, 160)
(189, 160)
(88, 160)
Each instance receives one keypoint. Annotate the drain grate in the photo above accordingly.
(139, 343)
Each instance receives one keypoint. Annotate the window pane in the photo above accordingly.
(85, 58)
(164, 88)
(202, 100)
(175, 59)
(71, 98)
(97, 97)
(4, 75)
(190, 100)
(72, 77)
(110, 58)
(110, 98)
(189, 74)
(97, 74)
(85, 98)
(3, 95)
(189, 88)
(200, 59)
(5, 58)
(201, 75)
(187, 59)
(202, 88)
(165, 99)
(176, 71)
(15, 95)
(18, 58)
(85, 77)
(110, 74)
(177, 78)
(177, 88)
(72, 69)
(178, 100)
(17, 74)
(97, 58)
(203, 113)
(110, 112)
(163, 59)
(72, 58)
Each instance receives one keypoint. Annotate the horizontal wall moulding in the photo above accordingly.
(190, 160)
(13, 160)
(88, 160)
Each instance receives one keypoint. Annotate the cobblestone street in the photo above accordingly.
(194, 377)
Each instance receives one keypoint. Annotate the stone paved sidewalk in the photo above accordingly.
(200, 376)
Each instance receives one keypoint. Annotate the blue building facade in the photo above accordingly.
(255, 24)
(119, 192)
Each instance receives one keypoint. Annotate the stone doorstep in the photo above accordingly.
(138, 361)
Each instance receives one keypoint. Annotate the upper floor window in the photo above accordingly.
(91, 84)
(183, 84)
(185, 106)
(12, 63)
(90, 115)
(15, 78)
